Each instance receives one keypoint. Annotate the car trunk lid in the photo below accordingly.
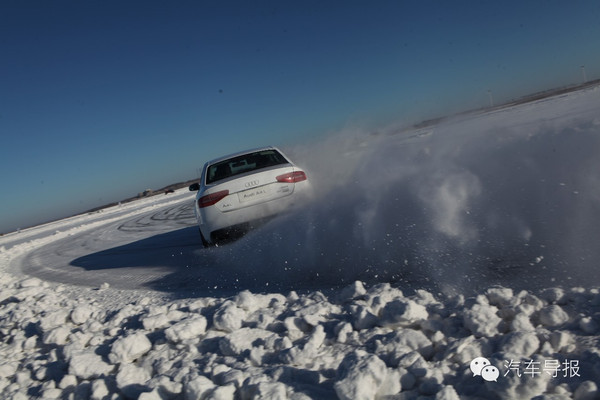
(255, 188)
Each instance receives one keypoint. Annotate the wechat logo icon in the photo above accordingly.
(482, 366)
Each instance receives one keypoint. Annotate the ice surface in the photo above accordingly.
(385, 336)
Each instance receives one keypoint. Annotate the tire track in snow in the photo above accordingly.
(126, 254)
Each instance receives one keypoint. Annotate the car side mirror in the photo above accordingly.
(194, 187)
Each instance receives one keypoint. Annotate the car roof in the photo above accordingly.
(241, 153)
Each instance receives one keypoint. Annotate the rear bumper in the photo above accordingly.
(218, 224)
(214, 223)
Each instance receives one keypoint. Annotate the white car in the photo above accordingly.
(239, 192)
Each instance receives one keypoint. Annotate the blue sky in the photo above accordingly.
(103, 99)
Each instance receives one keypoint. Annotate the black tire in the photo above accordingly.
(205, 242)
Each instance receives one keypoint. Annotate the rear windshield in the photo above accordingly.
(242, 164)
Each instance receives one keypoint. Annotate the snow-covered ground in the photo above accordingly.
(423, 253)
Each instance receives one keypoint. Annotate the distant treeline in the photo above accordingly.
(146, 193)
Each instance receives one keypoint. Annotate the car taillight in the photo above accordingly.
(212, 198)
(292, 177)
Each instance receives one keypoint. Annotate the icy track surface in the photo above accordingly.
(423, 253)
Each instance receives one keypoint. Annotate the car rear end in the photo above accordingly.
(243, 190)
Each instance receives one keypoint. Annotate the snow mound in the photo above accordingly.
(358, 342)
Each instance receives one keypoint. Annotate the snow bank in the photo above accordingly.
(353, 343)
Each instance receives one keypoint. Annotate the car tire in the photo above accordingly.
(205, 242)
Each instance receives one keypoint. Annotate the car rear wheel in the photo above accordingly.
(205, 242)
